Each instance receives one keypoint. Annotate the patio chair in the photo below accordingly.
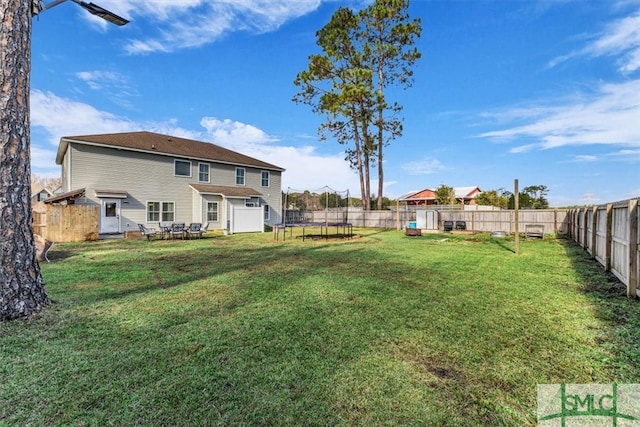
(165, 228)
(177, 229)
(447, 225)
(195, 229)
(461, 225)
(146, 231)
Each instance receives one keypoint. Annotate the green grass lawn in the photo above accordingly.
(383, 329)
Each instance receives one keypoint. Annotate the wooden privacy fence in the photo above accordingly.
(552, 220)
(67, 223)
(360, 218)
(611, 235)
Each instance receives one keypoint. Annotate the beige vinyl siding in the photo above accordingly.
(144, 177)
(150, 177)
(226, 175)
(271, 195)
(196, 203)
(66, 183)
(213, 225)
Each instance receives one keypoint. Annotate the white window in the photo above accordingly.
(212, 211)
(153, 211)
(182, 168)
(266, 212)
(240, 176)
(160, 211)
(265, 178)
(203, 172)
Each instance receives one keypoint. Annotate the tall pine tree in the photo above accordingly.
(21, 286)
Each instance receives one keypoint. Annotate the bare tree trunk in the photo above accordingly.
(21, 286)
(366, 164)
(380, 125)
(358, 154)
(380, 159)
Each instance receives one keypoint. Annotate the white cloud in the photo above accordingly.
(228, 132)
(112, 85)
(42, 161)
(192, 23)
(585, 158)
(607, 117)
(61, 117)
(621, 38)
(425, 166)
(306, 169)
(630, 156)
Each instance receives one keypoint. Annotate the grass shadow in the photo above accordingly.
(621, 313)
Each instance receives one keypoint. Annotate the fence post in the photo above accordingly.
(585, 231)
(570, 216)
(594, 235)
(633, 248)
(608, 238)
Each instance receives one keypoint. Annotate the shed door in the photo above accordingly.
(110, 216)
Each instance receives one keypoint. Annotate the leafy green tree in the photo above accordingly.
(388, 36)
(331, 200)
(498, 198)
(537, 193)
(337, 85)
(355, 202)
(386, 203)
(532, 197)
(293, 201)
(445, 195)
(363, 54)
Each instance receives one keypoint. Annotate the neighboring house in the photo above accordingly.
(39, 194)
(427, 197)
(419, 198)
(145, 177)
(466, 195)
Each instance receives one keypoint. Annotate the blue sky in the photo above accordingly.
(545, 91)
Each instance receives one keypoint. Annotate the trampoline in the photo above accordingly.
(309, 230)
(336, 227)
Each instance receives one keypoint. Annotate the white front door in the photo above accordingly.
(110, 216)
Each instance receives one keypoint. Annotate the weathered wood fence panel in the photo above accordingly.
(39, 223)
(610, 233)
(359, 218)
(599, 250)
(620, 242)
(70, 223)
(553, 220)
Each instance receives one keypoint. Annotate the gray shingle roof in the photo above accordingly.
(167, 145)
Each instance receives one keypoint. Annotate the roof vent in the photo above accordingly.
(153, 147)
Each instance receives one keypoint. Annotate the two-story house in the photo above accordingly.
(145, 177)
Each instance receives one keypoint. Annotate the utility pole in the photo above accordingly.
(516, 207)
